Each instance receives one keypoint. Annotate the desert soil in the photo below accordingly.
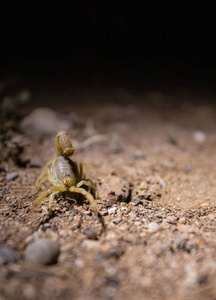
(154, 160)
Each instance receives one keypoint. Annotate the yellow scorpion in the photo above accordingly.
(65, 175)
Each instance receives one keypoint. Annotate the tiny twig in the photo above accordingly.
(93, 139)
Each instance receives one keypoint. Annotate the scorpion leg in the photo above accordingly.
(56, 190)
(42, 177)
(51, 200)
(42, 180)
(44, 194)
(80, 171)
(40, 198)
(91, 200)
(47, 175)
(89, 183)
(88, 196)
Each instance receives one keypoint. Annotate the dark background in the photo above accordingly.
(166, 44)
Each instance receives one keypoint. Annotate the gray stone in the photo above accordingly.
(90, 233)
(138, 199)
(44, 122)
(117, 220)
(8, 255)
(43, 251)
(11, 176)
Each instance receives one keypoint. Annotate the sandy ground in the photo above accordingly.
(154, 160)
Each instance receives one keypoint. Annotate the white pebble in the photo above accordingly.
(79, 263)
(112, 210)
(153, 227)
(11, 176)
(211, 217)
(90, 244)
(144, 220)
(123, 208)
(199, 137)
(133, 215)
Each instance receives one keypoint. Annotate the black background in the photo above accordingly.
(145, 44)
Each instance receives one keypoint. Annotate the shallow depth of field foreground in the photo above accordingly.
(153, 158)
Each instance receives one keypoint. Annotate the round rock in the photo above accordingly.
(43, 122)
(90, 233)
(8, 255)
(42, 251)
(153, 227)
(11, 176)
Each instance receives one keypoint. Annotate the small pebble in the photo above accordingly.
(90, 244)
(211, 217)
(182, 220)
(142, 197)
(124, 208)
(137, 202)
(171, 219)
(181, 244)
(186, 228)
(144, 220)
(103, 212)
(190, 279)
(138, 199)
(153, 227)
(109, 202)
(109, 292)
(132, 215)
(46, 225)
(199, 137)
(172, 139)
(79, 263)
(137, 223)
(29, 291)
(75, 224)
(43, 251)
(90, 233)
(112, 210)
(35, 162)
(138, 155)
(8, 255)
(188, 168)
(11, 176)
(117, 220)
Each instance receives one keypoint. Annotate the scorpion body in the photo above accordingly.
(65, 171)
(65, 175)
